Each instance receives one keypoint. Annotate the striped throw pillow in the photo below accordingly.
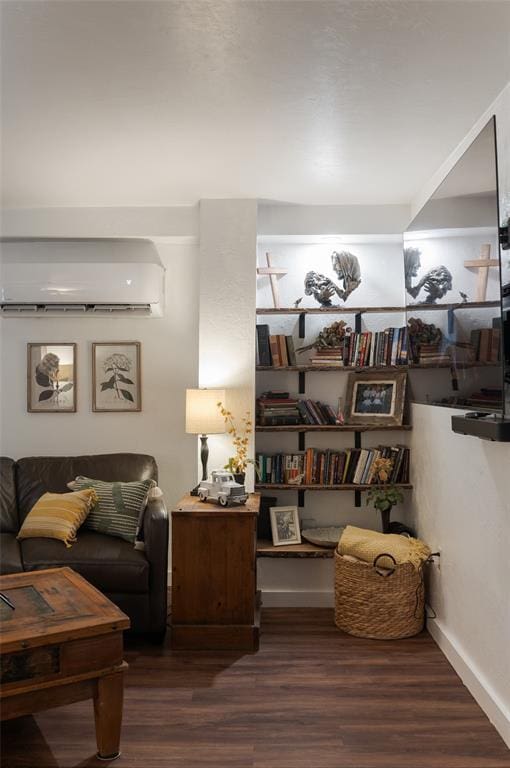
(58, 516)
(120, 506)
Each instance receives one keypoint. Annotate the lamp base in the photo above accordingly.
(194, 491)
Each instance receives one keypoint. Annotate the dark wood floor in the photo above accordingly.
(312, 697)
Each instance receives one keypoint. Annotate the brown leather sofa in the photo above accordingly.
(134, 580)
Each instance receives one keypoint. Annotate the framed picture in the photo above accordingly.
(51, 378)
(376, 398)
(116, 376)
(285, 525)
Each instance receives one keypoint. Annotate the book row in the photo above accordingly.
(354, 466)
(361, 350)
(275, 410)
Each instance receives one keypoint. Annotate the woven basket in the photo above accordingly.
(380, 604)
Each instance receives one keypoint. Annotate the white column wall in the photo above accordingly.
(228, 249)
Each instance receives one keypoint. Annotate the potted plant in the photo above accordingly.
(238, 463)
(384, 496)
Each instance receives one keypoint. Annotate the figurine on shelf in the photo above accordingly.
(346, 266)
(421, 334)
(331, 336)
(322, 288)
(464, 297)
(436, 283)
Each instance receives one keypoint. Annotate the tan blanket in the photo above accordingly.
(367, 545)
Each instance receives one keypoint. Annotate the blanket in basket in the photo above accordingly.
(367, 545)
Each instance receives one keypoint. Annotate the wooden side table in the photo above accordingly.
(214, 575)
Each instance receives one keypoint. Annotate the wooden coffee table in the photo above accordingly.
(62, 643)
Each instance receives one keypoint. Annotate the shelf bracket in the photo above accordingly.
(451, 323)
(357, 444)
(302, 325)
(301, 498)
(302, 383)
(301, 441)
(357, 322)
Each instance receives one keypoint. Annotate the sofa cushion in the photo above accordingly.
(110, 564)
(10, 554)
(36, 475)
(58, 516)
(8, 509)
(119, 508)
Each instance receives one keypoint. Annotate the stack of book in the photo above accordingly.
(277, 409)
(355, 466)
(487, 344)
(432, 354)
(328, 356)
(275, 350)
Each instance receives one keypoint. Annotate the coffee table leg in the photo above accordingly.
(108, 714)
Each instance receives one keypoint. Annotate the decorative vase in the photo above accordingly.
(239, 477)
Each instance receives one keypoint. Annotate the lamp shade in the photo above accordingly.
(203, 416)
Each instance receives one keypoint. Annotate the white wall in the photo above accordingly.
(169, 365)
(461, 504)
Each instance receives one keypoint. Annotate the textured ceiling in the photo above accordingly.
(163, 103)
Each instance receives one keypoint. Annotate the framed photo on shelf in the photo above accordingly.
(51, 378)
(285, 525)
(376, 398)
(116, 376)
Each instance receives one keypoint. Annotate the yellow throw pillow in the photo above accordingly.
(58, 516)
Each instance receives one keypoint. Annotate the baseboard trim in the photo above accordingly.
(474, 681)
(297, 599)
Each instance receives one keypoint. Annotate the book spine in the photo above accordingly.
(291, 351)
(264, 349)
(275, 352)
(282, 348)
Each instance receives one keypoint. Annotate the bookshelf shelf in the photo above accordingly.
(330, 428)
(326, 310)
(375, 310)
(449, 307)
(304, 550)
(343, 487)
(368, 368)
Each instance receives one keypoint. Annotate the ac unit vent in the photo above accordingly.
(144, 309)
(19, 308)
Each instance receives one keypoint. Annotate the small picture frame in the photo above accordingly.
(51, 377)
(285, 525)
(116, 376)
(376, 398)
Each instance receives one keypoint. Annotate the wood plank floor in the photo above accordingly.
(312, 697)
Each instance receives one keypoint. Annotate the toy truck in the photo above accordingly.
(222, 488)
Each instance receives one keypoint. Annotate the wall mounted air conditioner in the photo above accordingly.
(81, 277)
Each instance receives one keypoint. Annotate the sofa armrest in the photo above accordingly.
(155, 532)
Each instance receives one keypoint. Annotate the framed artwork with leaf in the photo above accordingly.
(51, 378)
(116, 376)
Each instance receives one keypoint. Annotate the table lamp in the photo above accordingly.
(203, 418)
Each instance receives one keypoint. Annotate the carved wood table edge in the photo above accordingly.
(64, 645)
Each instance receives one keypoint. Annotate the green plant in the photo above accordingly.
(383, 495)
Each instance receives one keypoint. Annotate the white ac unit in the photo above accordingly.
(85, 277)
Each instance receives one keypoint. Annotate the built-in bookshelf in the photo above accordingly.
(265, 548)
